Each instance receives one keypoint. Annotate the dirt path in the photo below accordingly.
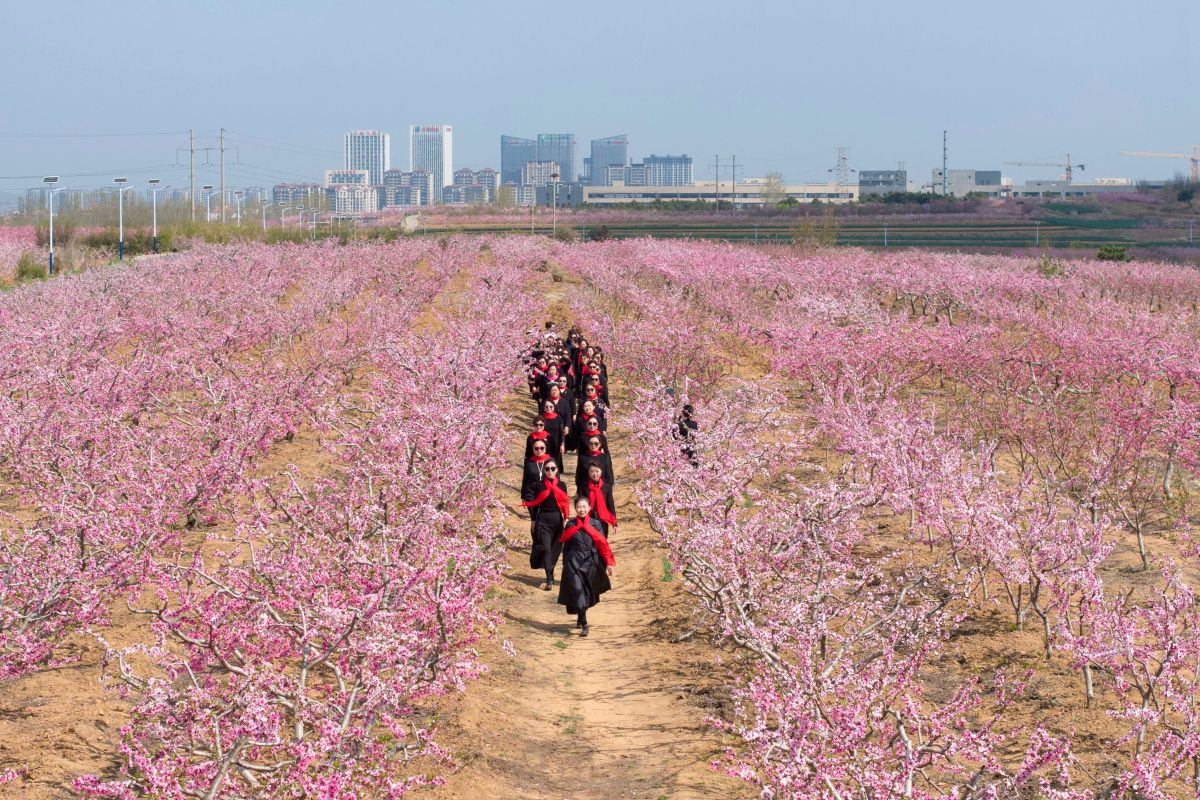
(619, 714)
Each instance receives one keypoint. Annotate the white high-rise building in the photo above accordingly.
(369, 150)
(431, 149)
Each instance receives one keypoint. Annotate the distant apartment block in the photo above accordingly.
(541, 173)
(407, 189)
(348, 198)
(297, 194)
(515, 153)
(607, 152)
(348, 177)
(882, 181)
(471, 187)
(369, 150)
(431, 149)
(653, 171)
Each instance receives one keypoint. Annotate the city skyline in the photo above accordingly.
(1029, 82)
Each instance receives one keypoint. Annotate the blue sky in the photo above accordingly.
(779, 84)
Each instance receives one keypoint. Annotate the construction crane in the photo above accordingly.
(1068, 166)
(1194, 158)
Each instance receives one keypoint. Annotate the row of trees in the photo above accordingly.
(296, 622)
(1013, 427)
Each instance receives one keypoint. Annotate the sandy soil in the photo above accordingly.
(619, 714)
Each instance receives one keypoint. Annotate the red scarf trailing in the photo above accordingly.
(578, 525)
(560, 497)
(596, 498)
(549, 415)
(543, 458)
(543, 434)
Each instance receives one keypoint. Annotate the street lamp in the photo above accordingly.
(237, 196)
(50, 180)
(208, 189)
(154, 190)
(282, 209)
(121, 190)
(263, 208)
(299, 216)
(554, 204)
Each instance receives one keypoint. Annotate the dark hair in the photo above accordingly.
(582, 498)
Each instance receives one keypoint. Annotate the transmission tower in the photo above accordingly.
(841, 172)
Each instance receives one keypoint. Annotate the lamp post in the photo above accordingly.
(154, 189)
(299, 216)
(237, 196)
(208, 190)
(121, 190)
(553, 203)
(50, 180)
(263, 208)
(282, 209)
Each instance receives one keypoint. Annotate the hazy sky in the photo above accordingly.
(779, 84)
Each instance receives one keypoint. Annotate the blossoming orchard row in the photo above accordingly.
(1021, 425)
(295, 620)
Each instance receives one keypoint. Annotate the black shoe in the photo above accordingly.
(584, 631)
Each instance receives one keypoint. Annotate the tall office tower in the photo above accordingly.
(431, 149)
(369, 150)
(515, 153)
(559, 148)
(607, 152)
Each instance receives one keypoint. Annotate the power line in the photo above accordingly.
(85, 135)
(128, 170)
(279, 144)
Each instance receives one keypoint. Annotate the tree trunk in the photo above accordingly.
(1089, 694)
(1141, 540)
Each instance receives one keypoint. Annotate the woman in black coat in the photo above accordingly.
(538, 434)
(600, 498)
(557, 427)
(535, 465)
(588, 563)
(549, 508)
(591, 427)
(592, 453)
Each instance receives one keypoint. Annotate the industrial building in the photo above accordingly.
(962, 182)
(749, 193)
(882, 181)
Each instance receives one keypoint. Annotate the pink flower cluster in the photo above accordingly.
(14, 242)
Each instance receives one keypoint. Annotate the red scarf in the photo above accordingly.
(549, 415)
(596, 498)
(560, 497)
(606, 552)
(544, 457)
(540, 435)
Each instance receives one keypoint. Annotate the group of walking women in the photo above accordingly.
(568, 381)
